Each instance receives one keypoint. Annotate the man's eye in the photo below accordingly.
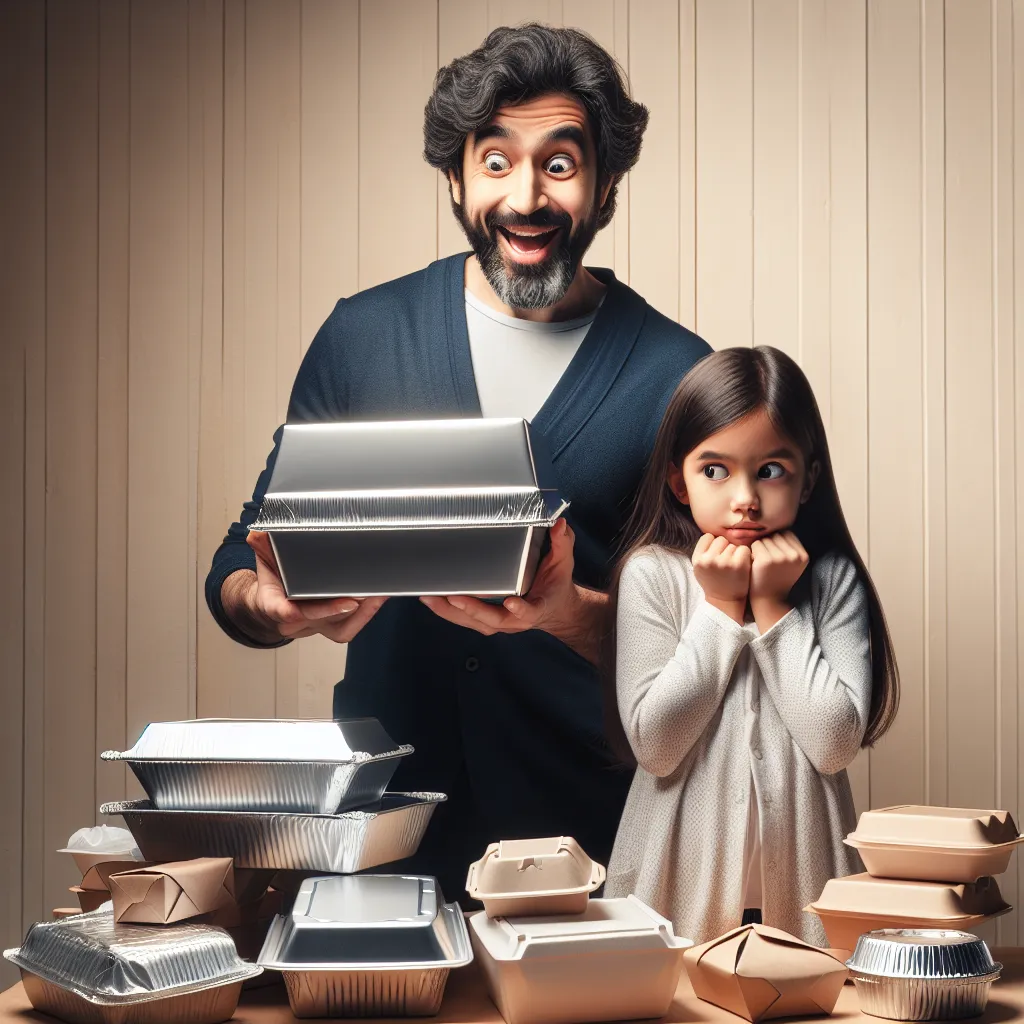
(560, 165)
(771, 471)
(715, 472)
(496, 162)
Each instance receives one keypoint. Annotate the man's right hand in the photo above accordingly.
(257, 604)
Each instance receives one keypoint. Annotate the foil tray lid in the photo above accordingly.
(239, 739)
(113, 964)
(863, 894)
(946, 827)
(923, 953)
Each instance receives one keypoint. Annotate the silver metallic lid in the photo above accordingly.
(922, 953)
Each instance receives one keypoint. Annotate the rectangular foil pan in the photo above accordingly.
(109, 964)
(382, 989)
(330, 843)
(311, 767)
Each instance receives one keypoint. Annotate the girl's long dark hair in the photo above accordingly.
(722, 388)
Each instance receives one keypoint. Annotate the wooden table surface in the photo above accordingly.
(466, 1002)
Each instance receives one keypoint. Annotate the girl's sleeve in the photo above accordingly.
(668, 685)
(816, 664)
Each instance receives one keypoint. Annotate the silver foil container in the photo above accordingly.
(922, 974)
(330, 843)
(87, 966)
(213, 764)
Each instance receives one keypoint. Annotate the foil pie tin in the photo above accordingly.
(922, 974)
(87, 968)
(367, 946)
(341, 843)
(312, 767)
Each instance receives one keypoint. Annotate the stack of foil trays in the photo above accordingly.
(86, 969)
(409, 508)
(284, 795)
(922, 974)
(367, 946)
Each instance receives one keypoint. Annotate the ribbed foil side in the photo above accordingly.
(289, 786)
(921, 999)
(366, 993)
(411, 508)
(922, 953)
(207, 1007)
(340, 844)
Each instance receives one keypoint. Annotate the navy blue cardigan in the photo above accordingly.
(509, 726)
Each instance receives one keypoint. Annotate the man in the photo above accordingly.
(534, 131)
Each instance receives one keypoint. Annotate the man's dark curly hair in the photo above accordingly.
(517, 64)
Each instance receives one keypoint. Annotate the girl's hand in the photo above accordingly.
(723, 571)
(778, 562)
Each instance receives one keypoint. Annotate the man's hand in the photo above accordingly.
(554, 603)
(778, 562)
(723, 571)
(257, 604)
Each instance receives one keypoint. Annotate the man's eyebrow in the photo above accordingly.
(566, 133)
(492, 131)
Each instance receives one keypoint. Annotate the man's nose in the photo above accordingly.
(526, 195)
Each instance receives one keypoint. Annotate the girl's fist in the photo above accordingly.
(722, 569)
(778, 562)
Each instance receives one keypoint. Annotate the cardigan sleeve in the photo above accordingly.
(669, 681)
(816, 664)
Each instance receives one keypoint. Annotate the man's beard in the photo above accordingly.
(529, 285)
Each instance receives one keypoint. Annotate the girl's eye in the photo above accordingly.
(771, 471)
(715, 472)
(560, 165)
(496, 162)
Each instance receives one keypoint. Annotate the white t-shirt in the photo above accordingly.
(517, 363)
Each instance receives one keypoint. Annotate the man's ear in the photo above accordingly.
(676, 484)
(455, 188)
(606, 190)
(812, 479)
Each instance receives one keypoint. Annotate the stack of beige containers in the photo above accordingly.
(927, 867)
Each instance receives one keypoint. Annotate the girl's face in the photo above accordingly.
(745, 482)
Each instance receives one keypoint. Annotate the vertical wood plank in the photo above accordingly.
(69, 791)
(777, 178)
(160, 518)
(895, 443)
(654, 182)
(22, 404)
(933, 200)
(112, 398)
(620, 225)
(969, 405)
(519, 12)
(725, 287)
(397, 189)
(688, 163)
(846, 28)
(1007, 539)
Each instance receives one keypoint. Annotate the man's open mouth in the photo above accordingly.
(530, 241)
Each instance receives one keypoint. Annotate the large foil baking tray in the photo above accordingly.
(112, 964)
(313, 767)
(409, 508)
(344, 843)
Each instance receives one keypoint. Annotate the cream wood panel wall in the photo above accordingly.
(189, 186)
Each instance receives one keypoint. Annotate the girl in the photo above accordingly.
(751, 657)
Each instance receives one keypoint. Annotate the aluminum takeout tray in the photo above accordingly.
(409, 508)
(342, 843)
(922, 974)
(312, 767)
(367, 946)
(108, 964)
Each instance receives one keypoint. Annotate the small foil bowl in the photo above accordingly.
(922, 974)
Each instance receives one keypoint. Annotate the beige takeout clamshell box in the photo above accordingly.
(173, 892)
(855, 904)
(935, 844)
(759, 972)
(530, 877)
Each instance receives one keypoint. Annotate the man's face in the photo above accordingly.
(529, 201)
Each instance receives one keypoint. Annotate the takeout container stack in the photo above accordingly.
(551, 954)
(409, 508)
(927, 867)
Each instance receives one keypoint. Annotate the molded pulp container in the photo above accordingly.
(618, 960)
(935, 844)
(534, 876)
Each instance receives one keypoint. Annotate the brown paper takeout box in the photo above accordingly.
(173, 892)
(97, 877)
(89, 899)
(759, 972)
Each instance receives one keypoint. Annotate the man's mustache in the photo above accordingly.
(538, 219)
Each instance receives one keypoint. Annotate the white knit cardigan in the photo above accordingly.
(710, 708)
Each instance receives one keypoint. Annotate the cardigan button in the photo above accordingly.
(757, 753)
(472, 664)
